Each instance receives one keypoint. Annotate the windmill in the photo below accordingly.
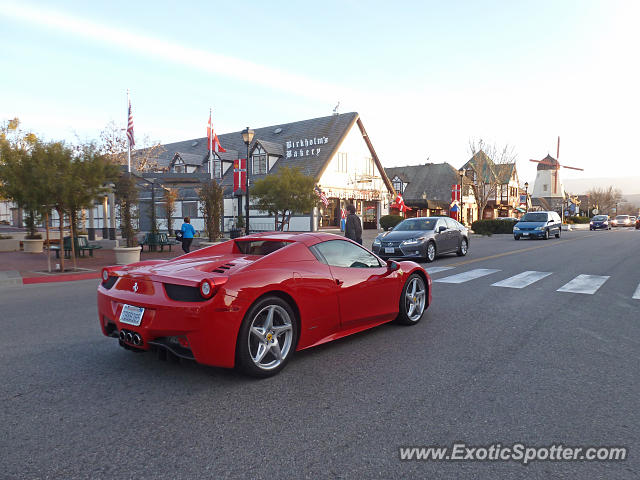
(553, 166)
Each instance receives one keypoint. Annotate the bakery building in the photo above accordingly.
(335, 150)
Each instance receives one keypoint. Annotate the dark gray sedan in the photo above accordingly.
(422, 238)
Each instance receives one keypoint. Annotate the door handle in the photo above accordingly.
(339, 282)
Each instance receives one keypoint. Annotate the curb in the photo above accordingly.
(61, 278)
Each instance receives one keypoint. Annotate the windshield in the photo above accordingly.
(534, 217)
(622, 217)
(599, 218)
(415, 225)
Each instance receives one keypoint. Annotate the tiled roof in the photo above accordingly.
(271, 148)
(307, 137)
(190, 158)
(434, 180)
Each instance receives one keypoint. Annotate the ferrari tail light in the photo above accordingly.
(108, 278)
(105, 274)
(207, 289)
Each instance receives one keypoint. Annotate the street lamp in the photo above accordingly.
(247, 137)
(526, 196)
(461, 173)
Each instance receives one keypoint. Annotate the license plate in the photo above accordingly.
(525, 234)
(389, 249)
(131, 315)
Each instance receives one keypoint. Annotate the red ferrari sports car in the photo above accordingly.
(251, 302)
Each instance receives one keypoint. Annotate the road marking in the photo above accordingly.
(587, 284)
(637, 294)
(431, 270)
(522, 280)
(466, 276)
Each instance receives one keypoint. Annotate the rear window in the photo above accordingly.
(534, 217)
(259, 247)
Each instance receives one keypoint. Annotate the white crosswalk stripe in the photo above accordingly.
(586, 284)
(467, 276)
(522, 280)
(431, 270)
(636, 295)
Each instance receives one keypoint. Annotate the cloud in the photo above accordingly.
(195, 58)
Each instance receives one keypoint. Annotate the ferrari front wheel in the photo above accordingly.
(267, 337)
(413, 300)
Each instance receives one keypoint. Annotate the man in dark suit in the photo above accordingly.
(353, 226)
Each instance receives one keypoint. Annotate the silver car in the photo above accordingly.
(422, 239)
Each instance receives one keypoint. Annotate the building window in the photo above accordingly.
(190, 209)
(544, 188)
(217, 167)
(398, 186)
(342, 162)
(259, 161)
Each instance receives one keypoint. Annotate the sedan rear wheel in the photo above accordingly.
(413, 300)
(431, 252)
(267, 337)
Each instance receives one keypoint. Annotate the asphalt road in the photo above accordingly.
(487, 364)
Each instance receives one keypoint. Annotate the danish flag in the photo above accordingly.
(214, 143)
(239, 174)
(400, 203)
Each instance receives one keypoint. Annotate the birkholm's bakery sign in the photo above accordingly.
(300, 148)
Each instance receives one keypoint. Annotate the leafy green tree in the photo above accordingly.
(286, 192)
(212, 198)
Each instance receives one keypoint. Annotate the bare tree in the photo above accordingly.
(113, 142)
(485, 171)
(604, 199)
(170, 198)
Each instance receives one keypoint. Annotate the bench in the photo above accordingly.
(80, 245)
(154, 240)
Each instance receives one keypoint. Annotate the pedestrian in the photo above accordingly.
(353, 226)
(187, 234)
(343, 218)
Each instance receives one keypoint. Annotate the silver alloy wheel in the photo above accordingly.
(431, 251)
(270, 337)
(415, 298)
(463, 247)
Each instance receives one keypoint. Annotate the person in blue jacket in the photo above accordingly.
(187, 234)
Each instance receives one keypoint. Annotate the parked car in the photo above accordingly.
(622, 221)
(538, 225)
(632, 220)
(638, 223)
(600, 222)
(253, 301)
(422, 239)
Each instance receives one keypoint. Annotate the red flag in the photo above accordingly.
(214, 145)
(239, 174)
(455, 193)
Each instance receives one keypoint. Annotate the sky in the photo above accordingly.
(425, 76)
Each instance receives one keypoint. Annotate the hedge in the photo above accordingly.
(489, 227)
(576, 219)
(387, 222)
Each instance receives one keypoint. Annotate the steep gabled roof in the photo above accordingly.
(188, 158)
(271, 148)
(429, 185)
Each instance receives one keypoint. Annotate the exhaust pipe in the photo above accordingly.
(122, 335)
(137, 339)
(129, 337)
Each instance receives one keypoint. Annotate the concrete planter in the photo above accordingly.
(33, 246)
(566, 226)
(9, 245)
(126, 255)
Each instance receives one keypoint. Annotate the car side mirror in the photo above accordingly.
(392, 266)
(441, 228)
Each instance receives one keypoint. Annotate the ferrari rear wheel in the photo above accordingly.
(267, 337)
(413, 300)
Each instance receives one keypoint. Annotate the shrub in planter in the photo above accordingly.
(387, 222)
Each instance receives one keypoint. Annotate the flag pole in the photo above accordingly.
(210, 144)
(128, 142)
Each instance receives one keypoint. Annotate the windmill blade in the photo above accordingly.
(573, 168)
(537, 161)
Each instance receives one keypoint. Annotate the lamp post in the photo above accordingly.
(247, 137)
(526, 196)
(461, 173)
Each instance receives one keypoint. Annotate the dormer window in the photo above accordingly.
(217, 166)
(398, 185)
(259, 161)
(178, 166)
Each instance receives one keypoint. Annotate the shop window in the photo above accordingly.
(259, 161)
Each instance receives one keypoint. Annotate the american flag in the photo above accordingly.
(322, 196)
(132, 142)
